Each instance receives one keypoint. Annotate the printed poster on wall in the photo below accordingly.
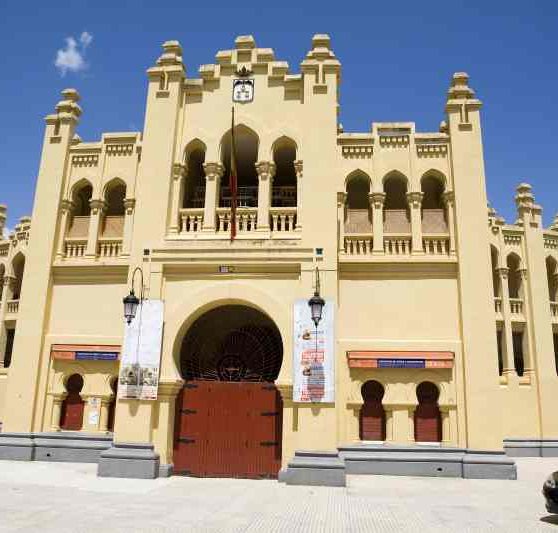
(141, 353)
(314, 359)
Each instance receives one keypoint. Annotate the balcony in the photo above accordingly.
(554, 311)
(74, 247)
(109, 247)
(12, 308)
(282, 222)
(516, 307)
(498, 305)
(360, 246)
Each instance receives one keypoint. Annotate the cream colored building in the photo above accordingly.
(427, 286)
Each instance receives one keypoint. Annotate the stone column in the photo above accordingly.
(341, 200)
(57, 400)
(104, 413)
(377, 200)
(449, 199)
(97, 210)
(129, 207)
(446, 426)
(164, 439)
(177, 193)
(389, 423)
(528, 340)
(66, 207)
(266, 171)
(507, 338)
(213, 174)
(411, 418)
(415, 203)
(298, 168)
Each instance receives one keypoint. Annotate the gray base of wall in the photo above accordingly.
(165, 470)
(525, 447)
(314, 468)
(63, 446)
(427, 461)
(331, 468)
(130, 460)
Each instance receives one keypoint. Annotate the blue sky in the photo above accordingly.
(397, 59)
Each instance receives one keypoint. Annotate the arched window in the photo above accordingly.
(71, 417)
(433, 212)
(246, 155)
(358, 218)
(81, 211)
(428, 420)
(514, 276)
(18, 266)
(372, 415)
(495, 275)
(113, 221)
(194, 186)
(552, 275)
(284, 182)
(396, 209)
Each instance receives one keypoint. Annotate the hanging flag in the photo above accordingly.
(233, 182)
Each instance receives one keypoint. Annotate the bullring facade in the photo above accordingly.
(445, 320)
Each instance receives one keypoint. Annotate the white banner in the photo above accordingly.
(314, 357)
(141, 354)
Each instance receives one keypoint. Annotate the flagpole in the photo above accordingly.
(233, 180)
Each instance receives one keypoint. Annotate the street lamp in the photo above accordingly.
(131, 301)
(316, 303)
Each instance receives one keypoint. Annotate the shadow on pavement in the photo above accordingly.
(550, 519)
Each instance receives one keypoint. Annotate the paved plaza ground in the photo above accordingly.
(69, 497)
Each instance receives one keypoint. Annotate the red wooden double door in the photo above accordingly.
(228, 429)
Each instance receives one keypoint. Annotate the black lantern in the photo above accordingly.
(131, 301)
(316, 303)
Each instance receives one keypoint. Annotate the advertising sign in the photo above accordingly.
(141, 354)
(314, 358)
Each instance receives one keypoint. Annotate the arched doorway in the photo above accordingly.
(372, 414)
(428, 422)
(71, 416)
(229, 414)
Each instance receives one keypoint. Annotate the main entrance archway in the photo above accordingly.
(229, 414)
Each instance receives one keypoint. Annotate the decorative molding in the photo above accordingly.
(119, 149)
(357, 152)
(394, 141)
(265, 169)
(377, 199)
(85, 160)
(415, 199)
(432, 150)
(213, 170)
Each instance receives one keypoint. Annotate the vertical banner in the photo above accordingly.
(314, 357)
(141, 354)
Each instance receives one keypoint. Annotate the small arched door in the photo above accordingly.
(71, 418)
(372, 414)
(428, 423)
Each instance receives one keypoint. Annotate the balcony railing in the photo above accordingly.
(109, 248)
(554, 310)
(498, 304)
(74, 248)
(397, 244)
(12, 307)
(282, 219)
(358, 244)
(246, 218)
(516, 306)
(191, 220)
(438, 245)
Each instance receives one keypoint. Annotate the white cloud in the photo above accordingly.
(72, 57)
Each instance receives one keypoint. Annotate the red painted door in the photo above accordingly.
(428, 424)
(71, 418)
(372, 421)
(228, 429)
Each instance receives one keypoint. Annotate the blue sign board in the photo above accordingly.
(96, 356)
(401, 363)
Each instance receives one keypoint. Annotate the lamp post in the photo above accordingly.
(131, 301)
(316, 304)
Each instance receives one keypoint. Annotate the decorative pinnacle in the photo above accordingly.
(245, 42)
(524, 198)
(172, 54)
(69, 103)
(321, 47)
(459, 89)
(554, 225)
